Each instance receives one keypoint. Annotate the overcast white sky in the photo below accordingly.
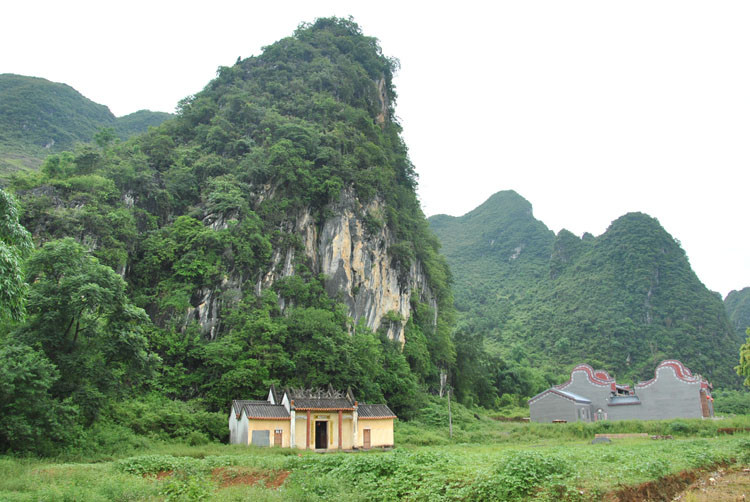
(589, 109)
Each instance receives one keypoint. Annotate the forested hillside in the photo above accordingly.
(39, 117)
(621, 301)
(270, 233)
(737, 305)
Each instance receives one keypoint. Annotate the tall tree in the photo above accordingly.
(15, 245)
(744, 368)
(84, 322)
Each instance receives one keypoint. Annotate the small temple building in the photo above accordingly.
(592, 395)
(311, 419)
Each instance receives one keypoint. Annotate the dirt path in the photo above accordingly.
(719, 486)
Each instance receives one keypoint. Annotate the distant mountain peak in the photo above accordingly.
(625, 298)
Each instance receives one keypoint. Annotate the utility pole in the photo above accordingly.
(450, 418)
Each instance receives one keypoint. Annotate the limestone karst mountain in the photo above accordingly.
(272, 220)
(623, 301)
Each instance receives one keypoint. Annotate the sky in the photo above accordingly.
(588, 109)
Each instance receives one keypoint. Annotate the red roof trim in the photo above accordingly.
(269, 418)
(593, 376)
(324, 409)
(680, 371)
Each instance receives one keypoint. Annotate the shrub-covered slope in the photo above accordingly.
(737, 304)
(271, 231)
(38, 117)
(622, 301)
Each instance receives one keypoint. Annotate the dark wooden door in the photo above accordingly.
(366, 439)
(277, 438)
(321, 434)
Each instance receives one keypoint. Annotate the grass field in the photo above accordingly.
(486, 460)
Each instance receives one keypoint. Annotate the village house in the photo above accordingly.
(311, 419)
(592, 395)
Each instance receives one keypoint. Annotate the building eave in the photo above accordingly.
(323, 409)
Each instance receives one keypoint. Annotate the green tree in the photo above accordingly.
(15, 245)
(30, 418)
(84, 322)
(744, 368)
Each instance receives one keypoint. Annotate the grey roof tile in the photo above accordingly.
(237, 404)
(264, 409)
(375, 411)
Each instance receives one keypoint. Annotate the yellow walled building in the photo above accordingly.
(311, 419)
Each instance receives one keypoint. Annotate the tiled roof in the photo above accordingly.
(237, 404)
(575, 397)
(375, 411)
(264, 409)
(561, 393)
(323, 403)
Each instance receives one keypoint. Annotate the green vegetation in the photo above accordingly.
(743, 369)
(737, 304)
(38, 117)
(735, 402)
(15, 245)
(488, 460)
(532, 305)
(149, 307)
(153, 253)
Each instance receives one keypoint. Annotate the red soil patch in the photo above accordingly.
(732, 430)
(233, 476)
(158, 475)
(278, 480)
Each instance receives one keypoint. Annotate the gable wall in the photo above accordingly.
(667, 396)
(242, 437)
(581, 385)
(232, 427)
(552, 406)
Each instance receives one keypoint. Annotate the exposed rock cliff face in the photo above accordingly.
(355, 260)
(360, 271)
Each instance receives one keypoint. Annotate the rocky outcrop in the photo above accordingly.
(360, 271)
(354, 259)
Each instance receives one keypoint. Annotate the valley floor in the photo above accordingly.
(535, 469)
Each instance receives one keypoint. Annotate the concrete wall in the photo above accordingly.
(580, 385)
(668, 396)
(299, 436)
(242, 437)
(381, 431)
(233, 439)
(271, 426)
(333, 429)
(553, 406)
(625, 412)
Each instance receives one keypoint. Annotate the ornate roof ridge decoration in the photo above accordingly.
(315, 393)
(597, 377)
(680, 370)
